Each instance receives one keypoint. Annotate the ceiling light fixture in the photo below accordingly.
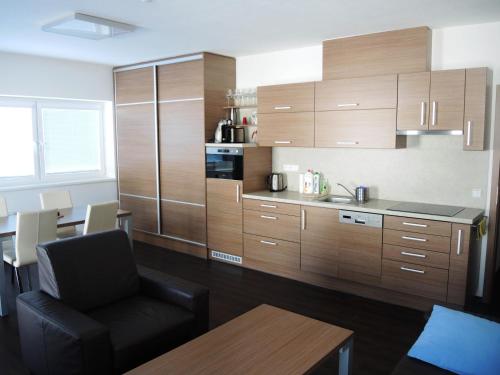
(88, 27)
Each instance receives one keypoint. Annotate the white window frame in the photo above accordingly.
(41, 178)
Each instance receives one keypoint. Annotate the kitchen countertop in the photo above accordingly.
(231, 145)
(376, 206)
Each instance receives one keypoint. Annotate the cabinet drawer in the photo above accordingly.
(296, 97)
(286, 129)
(408, 224)
(283, 227)
(273, 207)
(269, 250)
(416, 256)
(417, 240)
(418, 280)
(357, 93)
(356, 129)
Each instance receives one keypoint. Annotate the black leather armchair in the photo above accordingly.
(97, 314)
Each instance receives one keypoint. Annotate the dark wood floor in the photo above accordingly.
(383, 332)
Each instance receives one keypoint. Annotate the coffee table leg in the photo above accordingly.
(345, 358)
(3, 297)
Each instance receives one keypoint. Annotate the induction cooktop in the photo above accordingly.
(427, 209)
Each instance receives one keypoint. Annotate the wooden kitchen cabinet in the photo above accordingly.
(319, 240)
(447, 95)
(476, 81)
(358, 129)
(459, 263)
(225, 216)
(413, 101)
(294, 97)
(286, 129)
(357, 93)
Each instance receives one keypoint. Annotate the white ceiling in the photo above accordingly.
(231, 27)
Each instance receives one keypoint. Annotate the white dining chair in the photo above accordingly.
(100, 217)
(32, 228)
(59, 200)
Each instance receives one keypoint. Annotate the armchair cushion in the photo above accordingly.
(88, 271)
(142, 328)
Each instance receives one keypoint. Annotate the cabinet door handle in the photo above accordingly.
(414, 239)
(415, 224)
(282, 142)
(469, 126)
(413, 254)
(269, 217)
(348, 105)
(268, 205)
(347, 142)
(268, 243)
(459, 242)
(282, 107)
(434, 113)
(237, 193)
(402, 268)
(303, 219)
(422, 113)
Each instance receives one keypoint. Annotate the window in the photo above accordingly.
(51, 141)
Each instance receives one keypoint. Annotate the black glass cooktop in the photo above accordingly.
(427, 209)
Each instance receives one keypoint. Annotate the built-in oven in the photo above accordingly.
(224, 162)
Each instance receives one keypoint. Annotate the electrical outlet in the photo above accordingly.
(290, 167)
(476, 193)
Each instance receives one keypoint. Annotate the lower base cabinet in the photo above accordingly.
(319, 240)
(225, 216)
(271, 251)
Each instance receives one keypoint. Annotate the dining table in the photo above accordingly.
(67, 217)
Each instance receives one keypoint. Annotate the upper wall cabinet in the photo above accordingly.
(286, 115)
(476, 81)
(357, 93)
(181, 81)
(134, 86)
(398, 51)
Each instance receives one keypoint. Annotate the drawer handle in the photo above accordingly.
(348, 105)
(268, 205)
(411, 270)
(282, 142)
(268, 243)
(415, 224)
(459, 242)
(282, 107)
(269, 217)
(414, 239)
(413, 254)
(347, 142)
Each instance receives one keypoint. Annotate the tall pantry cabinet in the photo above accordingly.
(165, 112)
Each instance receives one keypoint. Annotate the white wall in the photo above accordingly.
(431, 169)
(42, 77)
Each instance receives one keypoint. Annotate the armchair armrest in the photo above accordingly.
(57, 339)
(186, 294)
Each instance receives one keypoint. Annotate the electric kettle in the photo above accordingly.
(276, 182)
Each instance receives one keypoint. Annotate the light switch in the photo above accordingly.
(476, 193)
(290, 167)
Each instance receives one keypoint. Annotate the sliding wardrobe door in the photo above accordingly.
(136, 146)
(182, 152)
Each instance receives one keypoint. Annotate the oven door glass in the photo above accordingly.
(224, 166)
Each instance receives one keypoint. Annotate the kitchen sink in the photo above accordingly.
(336, 199)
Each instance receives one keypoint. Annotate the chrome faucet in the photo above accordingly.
(346, 189)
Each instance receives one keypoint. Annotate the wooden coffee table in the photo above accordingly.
(263, 340)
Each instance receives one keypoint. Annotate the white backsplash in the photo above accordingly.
(432, 169)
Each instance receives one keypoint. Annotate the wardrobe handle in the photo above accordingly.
(434, 113)
(469, 126)
(422, 113)
(459, 242)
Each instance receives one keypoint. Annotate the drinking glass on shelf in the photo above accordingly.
(237, 97)
(229, 97)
